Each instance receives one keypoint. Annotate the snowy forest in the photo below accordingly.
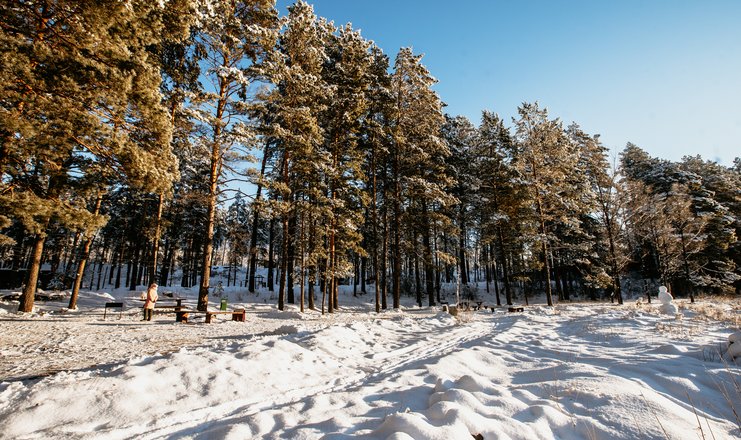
(143, 143)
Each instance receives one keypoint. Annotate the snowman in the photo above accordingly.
(665, 298)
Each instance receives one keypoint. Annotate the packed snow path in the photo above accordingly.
(578, 371)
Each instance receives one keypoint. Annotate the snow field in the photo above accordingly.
(581, 371)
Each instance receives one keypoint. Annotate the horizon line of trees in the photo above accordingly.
(127, 127)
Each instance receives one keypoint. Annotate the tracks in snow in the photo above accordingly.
(353, 373)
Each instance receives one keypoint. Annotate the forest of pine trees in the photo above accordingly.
(150, 141)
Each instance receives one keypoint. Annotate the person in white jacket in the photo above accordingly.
(149, 300)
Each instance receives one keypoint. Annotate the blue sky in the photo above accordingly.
(663, 74)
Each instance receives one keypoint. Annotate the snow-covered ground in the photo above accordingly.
(574, 371)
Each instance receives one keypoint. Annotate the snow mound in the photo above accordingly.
(734, 347)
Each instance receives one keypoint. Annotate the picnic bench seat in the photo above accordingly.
(113, 305)
(182, 315)
(162, 305)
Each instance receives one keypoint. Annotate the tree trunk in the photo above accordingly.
(417, 281)
(685, 261)
(495, 272)
(384, 263)
(290, 297)
(256, 221)
(462, 246)
(27, 298)
(134, 264)
(271, 255)
(213, 188)
(396, 275)
(283, 264)
(156, 243)
(313, 270)
(429, 268)
(83, 261)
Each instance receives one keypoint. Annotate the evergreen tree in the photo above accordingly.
(79, 93)
(231, 37)
(500, 198)
(416, 157)
(545, 161)
(608, 198)
(374, 142)
(348, 73)
(299, 97)
(718, 200)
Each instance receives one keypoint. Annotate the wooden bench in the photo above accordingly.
(162, 306)
(237, 315)
(178, 304)
(515, 309)
(113, 305)
(182, 315)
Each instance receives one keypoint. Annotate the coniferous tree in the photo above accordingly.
(300, 95)
(460, 136)
(232, 37)
(79, 89)
(374, 142)
(545, 162)
(348, 73)
(500, 193)
(416, 156)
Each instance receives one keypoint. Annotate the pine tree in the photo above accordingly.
(715, 196)
(374, 142)
(348, 73)
(608, 198)
(80, 94)
(299, 97)
(500, 195)
(545, 161)
(232, 37)
(417, 155)
(460, 136)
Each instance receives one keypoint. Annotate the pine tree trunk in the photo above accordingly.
(27, 298)
(83, 261)
(417, 280)
(331, 271)
(544, 249)
(101, 275)
(429, 269)
(374, 220)
(313, 273)
(118, 268)
(256, 221)
(134, 268)
(384, 262)
(302, 240)
(396, 280)
(271, 255)
(448, 275)
(462, 246)
(283, 264)
(495, 272)
(290, 297)
(208, 247)
(156, 244)
(363, 269)
(213, 188)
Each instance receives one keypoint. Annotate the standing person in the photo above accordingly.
(149, 301)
